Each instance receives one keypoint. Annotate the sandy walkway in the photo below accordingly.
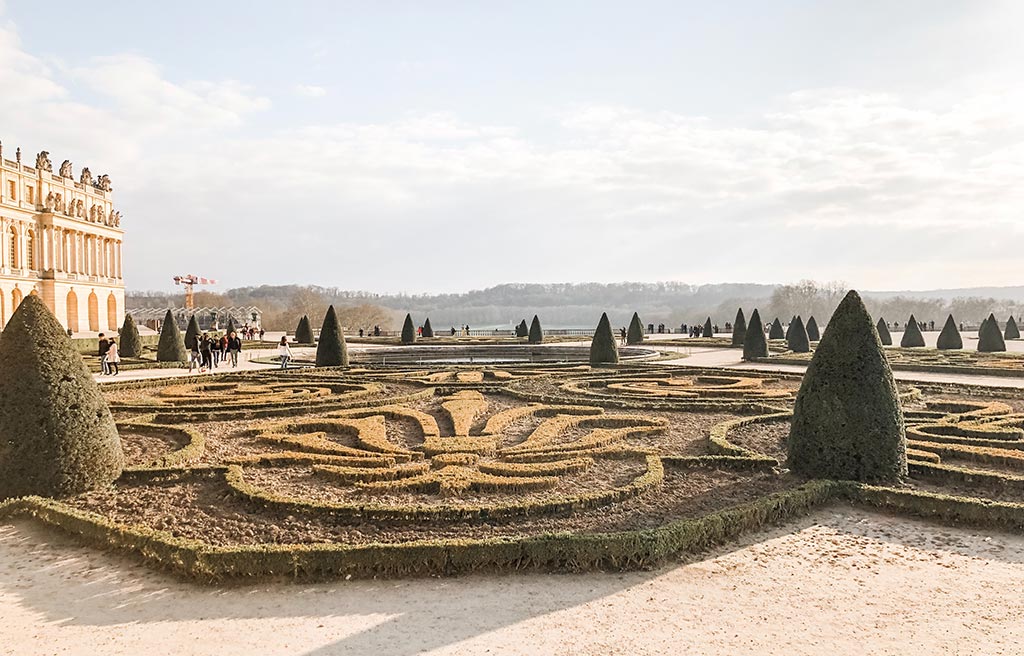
(839, 582)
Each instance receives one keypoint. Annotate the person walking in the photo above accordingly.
(622, 334)
(204, 349)
(195, 359)
(284, 352)
(113, 359)
(104, 348)
(234, 348)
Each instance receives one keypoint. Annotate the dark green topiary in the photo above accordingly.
(1012, 332)
(812, 330)
(129, 342)
(739, 328)
(883, 332)
(635, 333)
(57, 436)
(789, 328)
(408, 330)
(797, 339)
(231, 326)
(709, 329)
(192, 333)
(331, 350)
(603, 349)
(536, 334)
(990, 339)
(304, 331)
(949, 338)
(847, 421)
(522, 330)
(428, 330)
(170, 348)
(776, 331)
(754, 344)
(912, 337)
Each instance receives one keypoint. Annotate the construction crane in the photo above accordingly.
(191, 281)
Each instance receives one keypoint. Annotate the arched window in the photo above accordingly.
(111, 312)
(72, 311)
(30, 250)
(15, 299)
(12, 248)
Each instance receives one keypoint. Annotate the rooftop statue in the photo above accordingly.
(43, 161)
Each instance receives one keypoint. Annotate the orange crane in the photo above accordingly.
(191, 281)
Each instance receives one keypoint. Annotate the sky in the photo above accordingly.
(447, 146)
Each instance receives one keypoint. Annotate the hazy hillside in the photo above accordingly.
(581, 304)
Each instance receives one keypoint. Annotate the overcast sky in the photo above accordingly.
(446, 146)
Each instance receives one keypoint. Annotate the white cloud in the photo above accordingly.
(827, 183)
(310, 91)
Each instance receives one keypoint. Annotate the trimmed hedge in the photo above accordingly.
(776, 331)
(739, 328)
(428, 330)
(1012, 331)
(303, 331)
(129, 342)
(813, 333)
(847, 420)
(331, 350)
(990, 338)
(709, 329)
(536, 335)
(192, 333)
(912, 337)
(797, 339)
(883, 332)
(170, 347)
(635, 333)
(522, 330)
(408, 330)
(950, 337)
(57, 436)
(603, 349)
(754, 344)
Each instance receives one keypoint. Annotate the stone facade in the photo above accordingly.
(60, 238)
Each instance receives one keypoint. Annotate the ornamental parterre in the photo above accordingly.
(411, 471)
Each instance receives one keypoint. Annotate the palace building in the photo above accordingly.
(60, 238)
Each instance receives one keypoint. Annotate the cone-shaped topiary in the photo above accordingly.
(170, 347)
(798, 341)
(949, 338)
(191, 333)
(789, 328)
(522, 330)
(776, 331)
(847, 421)
(408, 330)
(1012, 331)
(739, 328)
(635, 333)
(812, 330)
(912, 337)
(130, 345)
(331, 350)
(754, 344)
(990, 338)
(231, 326)
(536, 334)
(883, 332)
(304, 331)
(709, 329)
(428, 330)
(603, 349)
(57, 436)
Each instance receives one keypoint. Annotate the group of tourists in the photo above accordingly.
(109, 357)
(208, 351)
(364, 332)
(250, 332)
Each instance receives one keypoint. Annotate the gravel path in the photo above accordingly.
(841, 581)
